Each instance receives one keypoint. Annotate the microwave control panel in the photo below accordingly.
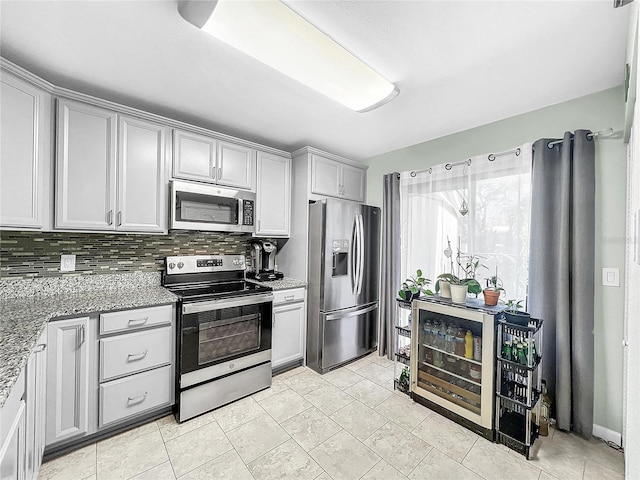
(247, 212)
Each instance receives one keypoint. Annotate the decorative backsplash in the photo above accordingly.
(37, 255)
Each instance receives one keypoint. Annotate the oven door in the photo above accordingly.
(220, 336)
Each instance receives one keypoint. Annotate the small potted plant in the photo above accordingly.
(513, 313)
(493, 290)
(414, 286)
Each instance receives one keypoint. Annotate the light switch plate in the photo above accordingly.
(67, 263)
(611, 277)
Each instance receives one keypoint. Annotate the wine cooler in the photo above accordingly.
(453, 361)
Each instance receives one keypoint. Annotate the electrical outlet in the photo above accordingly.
(611, 277)
(67, 263)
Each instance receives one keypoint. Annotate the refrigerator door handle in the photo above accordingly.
(352, 313)
(360, 254)
(353, 258)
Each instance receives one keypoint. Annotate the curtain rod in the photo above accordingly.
(448, 166)
(607, 132)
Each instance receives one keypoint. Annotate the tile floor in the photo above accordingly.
(346, 425)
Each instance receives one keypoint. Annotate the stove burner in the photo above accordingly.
(217, 290)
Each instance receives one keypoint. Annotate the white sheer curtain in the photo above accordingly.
(497, 194)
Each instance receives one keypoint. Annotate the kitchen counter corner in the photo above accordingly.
(282, 284)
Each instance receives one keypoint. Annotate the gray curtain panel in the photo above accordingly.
(561, 272)
(390, 265)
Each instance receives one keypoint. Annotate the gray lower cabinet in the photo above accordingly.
(106, 370)
(68, 390)
(36, 407)
(288, 330)
(12, 434)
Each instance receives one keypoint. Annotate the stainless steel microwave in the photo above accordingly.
(197, 206)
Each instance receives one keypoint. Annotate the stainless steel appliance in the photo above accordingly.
(224, 332)
(198, 206)
(342, 318)
(263, 261)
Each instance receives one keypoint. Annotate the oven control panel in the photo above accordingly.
(215, 262)
(204, 263)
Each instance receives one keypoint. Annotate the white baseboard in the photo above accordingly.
(607, 434)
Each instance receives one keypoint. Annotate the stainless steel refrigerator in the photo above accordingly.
(342, 317)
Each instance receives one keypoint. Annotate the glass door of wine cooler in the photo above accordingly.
(453, 364)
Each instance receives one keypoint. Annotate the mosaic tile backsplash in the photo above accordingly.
(37, 255)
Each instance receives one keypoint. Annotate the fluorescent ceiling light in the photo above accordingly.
(272, 33)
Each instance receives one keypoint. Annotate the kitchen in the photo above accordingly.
(145, 253)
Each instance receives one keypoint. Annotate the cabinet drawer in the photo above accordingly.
(134, 352)
(288, 296)
(135, 394)
(134, 319)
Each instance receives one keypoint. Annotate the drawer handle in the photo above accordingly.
(137, 356)
(138, 399)
(134, 322)
(288, 298)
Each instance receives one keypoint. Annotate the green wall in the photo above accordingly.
(595, 112)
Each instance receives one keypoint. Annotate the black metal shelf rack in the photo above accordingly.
(518, 384)
(402, 338)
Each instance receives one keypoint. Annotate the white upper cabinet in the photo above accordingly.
(85, 167)
(325, 176)
(273, 195)
(142, 188)
(110, 173)
(337, 179)
(353, 183)
(194, 156)
(235, 165)
(24, 153)
(206, 159)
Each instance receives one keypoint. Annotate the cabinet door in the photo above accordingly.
(142, 205)
(12, 452)
(36, 407)
(22, 150)
(67, 379)
(236, 165)
(287, 340)
(85, 167)
(325, 175)
(194, 156)
(273, 202)
(353, 183)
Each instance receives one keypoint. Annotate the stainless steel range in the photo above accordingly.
(224, 332)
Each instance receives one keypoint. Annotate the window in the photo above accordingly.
(480, 206)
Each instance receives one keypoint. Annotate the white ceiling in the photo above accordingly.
(457, 65)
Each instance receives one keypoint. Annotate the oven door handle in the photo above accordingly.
(206, 306)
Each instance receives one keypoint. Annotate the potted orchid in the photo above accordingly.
(465, 280)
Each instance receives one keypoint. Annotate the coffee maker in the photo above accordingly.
(263, 261)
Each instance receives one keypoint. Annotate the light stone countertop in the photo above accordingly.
(22, 320)
(282, 284)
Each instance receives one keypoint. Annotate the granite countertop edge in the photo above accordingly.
(22, 321)
(282, 284)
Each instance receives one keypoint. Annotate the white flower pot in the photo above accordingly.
(445, 291)
(459, 293)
